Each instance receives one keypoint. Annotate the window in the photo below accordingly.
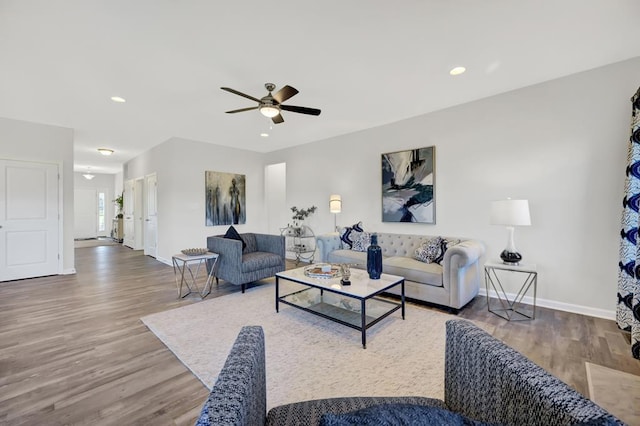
(101, 212)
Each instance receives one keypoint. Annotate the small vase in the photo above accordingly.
(374, 259)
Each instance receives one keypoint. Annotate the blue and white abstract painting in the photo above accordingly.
(408, 186)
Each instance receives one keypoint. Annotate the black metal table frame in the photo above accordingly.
(363, 316)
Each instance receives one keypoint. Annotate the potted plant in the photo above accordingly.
(119, 201)
(300, 215)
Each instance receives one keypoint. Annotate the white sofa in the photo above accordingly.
(452, 284)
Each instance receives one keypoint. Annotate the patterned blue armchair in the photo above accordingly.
(485, 380)
(262, 257)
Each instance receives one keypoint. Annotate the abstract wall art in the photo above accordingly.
(225, 198)
(408, 186)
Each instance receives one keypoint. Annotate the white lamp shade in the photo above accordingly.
(510, 213)
(335, 204)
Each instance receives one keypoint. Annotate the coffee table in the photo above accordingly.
(357, 305)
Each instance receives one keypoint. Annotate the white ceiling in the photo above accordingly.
(364, 63)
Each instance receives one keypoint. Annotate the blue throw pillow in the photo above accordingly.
(399, 415)
(232, 234)
(349, 234)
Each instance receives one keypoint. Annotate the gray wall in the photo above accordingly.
(561, 144)
(180, 167)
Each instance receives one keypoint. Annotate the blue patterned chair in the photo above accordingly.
(485, 380)
(262, 257)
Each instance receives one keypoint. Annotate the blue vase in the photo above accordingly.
(374, 259)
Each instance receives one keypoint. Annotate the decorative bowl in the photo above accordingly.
(195, 251)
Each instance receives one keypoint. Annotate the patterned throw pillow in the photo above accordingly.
(350, 233)
(444, 246)
(362, 243)
(429, 250)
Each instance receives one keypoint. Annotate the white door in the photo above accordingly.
(29, 222)
(128, 222)
(151, 220)
(85, 219)
(138, 214)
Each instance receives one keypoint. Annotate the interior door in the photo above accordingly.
(128, 220)
(151, 220)
(29, 220)
(85, 219)
(138, 214)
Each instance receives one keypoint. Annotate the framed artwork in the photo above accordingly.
(408, 186)
(225, 198)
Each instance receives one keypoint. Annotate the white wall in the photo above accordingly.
(561, 144)
(180, 165)
(99, 182)
(21, 140)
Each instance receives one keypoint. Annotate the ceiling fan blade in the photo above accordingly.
(235, 92)
(241, 110)
(278, 119)
(285, 93)
(301, 110)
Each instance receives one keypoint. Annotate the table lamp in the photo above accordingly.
(510, 213)
(335, 207)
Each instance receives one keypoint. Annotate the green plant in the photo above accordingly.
(302, 214)
(120, 203)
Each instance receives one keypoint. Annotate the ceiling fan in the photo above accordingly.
(271, 105)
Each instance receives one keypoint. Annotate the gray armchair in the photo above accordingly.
(262, 257)
(484, 379)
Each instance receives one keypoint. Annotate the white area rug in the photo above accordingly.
(307, 356)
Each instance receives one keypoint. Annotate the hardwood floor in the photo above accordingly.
(74, 351)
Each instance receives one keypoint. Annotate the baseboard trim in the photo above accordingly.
(561, 306)
(68, 271)
(165, 261)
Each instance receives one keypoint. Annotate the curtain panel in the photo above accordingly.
(628, 308)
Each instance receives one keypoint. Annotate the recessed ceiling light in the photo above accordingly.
(264, 135)
(105, 151)
(118, 99)
(457, 70)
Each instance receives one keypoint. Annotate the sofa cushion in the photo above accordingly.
(413, 270)
(348, 256)
(250, 244)
(232, 234)
(399, 415)
(258, 260)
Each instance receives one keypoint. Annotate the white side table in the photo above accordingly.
(181, 263)
(505, 308)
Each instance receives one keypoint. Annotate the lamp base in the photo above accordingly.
(510, 257)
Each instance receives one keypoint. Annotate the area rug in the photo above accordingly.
(309, 357)
(615, 391)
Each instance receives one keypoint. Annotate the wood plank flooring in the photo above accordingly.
(73, 349)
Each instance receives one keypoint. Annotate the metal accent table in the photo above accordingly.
(184, 266)
(356, 306)
(511, 309)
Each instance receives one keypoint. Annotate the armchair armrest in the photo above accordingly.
(326, 244)
(230, 259)
(239, 396)
(270, 243)
(489, 381)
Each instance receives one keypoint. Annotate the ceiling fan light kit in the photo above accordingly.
(269, 111)
(271, 105)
